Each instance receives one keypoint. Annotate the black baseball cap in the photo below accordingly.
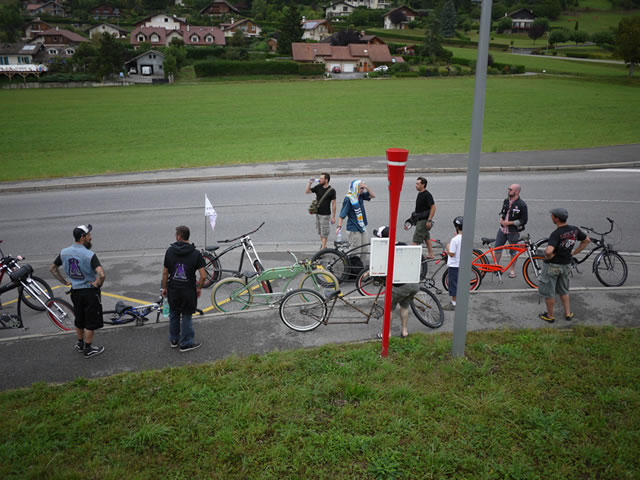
(560, 213)
(81, 230)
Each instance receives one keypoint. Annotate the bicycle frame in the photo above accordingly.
(248, 250)
(376, 310)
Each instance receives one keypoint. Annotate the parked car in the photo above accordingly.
(336, 69)
(381, 68)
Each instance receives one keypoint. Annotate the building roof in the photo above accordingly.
(146, 53)
(231, 7)
(341, 53)
(71, 36)
(230, 26)
(377, 53)
(339, 3)
(36, 20)
(400, 8)
(307, 52)
(528, 13)
(369, 38)
(148, 31)
(121, 30)
(312, 24)
(202, 32)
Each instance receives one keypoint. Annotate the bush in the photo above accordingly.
(428, 72)
(68, 77)
(253, 67)
(399, 68)
(462, 61)
(200, 53)
(405, 74)
(310, 69)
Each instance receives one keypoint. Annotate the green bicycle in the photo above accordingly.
(268, 287)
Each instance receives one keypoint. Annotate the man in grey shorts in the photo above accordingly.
(326, 196)
(558, 255)
(422, 216)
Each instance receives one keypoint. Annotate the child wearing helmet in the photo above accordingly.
(453, 249)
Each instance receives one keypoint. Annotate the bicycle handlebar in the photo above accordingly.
(243, 235)
(589, 229)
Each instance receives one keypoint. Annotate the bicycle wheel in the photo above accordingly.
(369, 286)
(319, 281)
(36, 288)
(212, 269)
(531, 270)
(474, 283)
(60, 312)
(231, 295)
(266, 285)
(427, 308)
(114, 318)
(610, 269)
(333, 260)
(303, 310)
(480, 257)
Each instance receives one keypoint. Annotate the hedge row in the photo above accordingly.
(256, 67)
(200, 53)
(420, 39)
(68, 77)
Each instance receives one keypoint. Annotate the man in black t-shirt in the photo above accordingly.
(422, 216)
(181, 262)
(557, 258)
(326, 196)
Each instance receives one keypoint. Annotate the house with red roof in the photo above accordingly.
(248, 27)
(220, 7)
(355, 57)
(189, 34)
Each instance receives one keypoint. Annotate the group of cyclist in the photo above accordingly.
(513, 218)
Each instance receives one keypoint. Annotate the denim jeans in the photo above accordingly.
(185, 335)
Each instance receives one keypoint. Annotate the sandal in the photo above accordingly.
(546, 318)
(569, 317)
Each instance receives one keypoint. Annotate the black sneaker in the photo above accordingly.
(80, 347)
(188, 348)
(174, 343)
(93, 351)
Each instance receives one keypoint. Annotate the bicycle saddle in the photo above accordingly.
(487, 241)
(212, 248)
(330, 294)
(121, 307)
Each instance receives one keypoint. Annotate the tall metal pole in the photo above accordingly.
(471, 192)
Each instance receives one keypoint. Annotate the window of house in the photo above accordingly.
(4, 60)
(344, 9)
(195, 38)
(209, 39)
(166, 19)
(53, 51)
(155, 38)
(141, 38)
(69, 51)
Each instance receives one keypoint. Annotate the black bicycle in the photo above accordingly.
(609, 266)
(213, 267)
(346, 264)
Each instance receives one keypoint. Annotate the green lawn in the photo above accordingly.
(62, 132)
(523, 405)
(592, 21)
(538, 63)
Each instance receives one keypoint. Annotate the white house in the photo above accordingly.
(162, 20)
(112, 30)
(338, 9)
(315, 29)
(407, 14)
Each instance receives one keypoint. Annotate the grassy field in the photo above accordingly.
(62, 132)
(592, 21)
(523, 405)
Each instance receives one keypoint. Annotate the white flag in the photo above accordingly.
(210, 212)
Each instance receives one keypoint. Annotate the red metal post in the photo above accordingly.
(396, 163)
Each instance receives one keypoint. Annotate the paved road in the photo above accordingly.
(50, 357)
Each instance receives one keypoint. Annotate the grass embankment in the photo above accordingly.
(524, 405)
(62, 132)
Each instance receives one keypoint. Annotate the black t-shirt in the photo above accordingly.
(324, 208)
(563, 240)
(424, 202)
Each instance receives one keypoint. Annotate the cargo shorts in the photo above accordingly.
(554, 280)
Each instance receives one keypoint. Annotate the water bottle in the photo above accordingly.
(165, 308)
(339, 236)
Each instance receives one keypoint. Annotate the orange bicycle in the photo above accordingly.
(531, 268)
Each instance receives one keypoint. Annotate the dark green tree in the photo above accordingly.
(628, 41)
(170, 67)
(111, 59)
(85, 57)
(560, 35)
(504, 24)
(11, 22)
(448, 20)
(238, 39)
(580, 36)
(290, 29)
(345, 37)
(538, 28)
(433, 41)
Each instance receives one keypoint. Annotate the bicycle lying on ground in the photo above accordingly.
(304, 310)
(485, 261)
(213, 267)
(31, 292)
(609, 267)
(343, 262)
(236, 294)
(124, 313)
(367, 285)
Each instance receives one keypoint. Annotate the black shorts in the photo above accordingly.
(87, 307)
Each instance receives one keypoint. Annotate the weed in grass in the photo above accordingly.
(150, 436)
